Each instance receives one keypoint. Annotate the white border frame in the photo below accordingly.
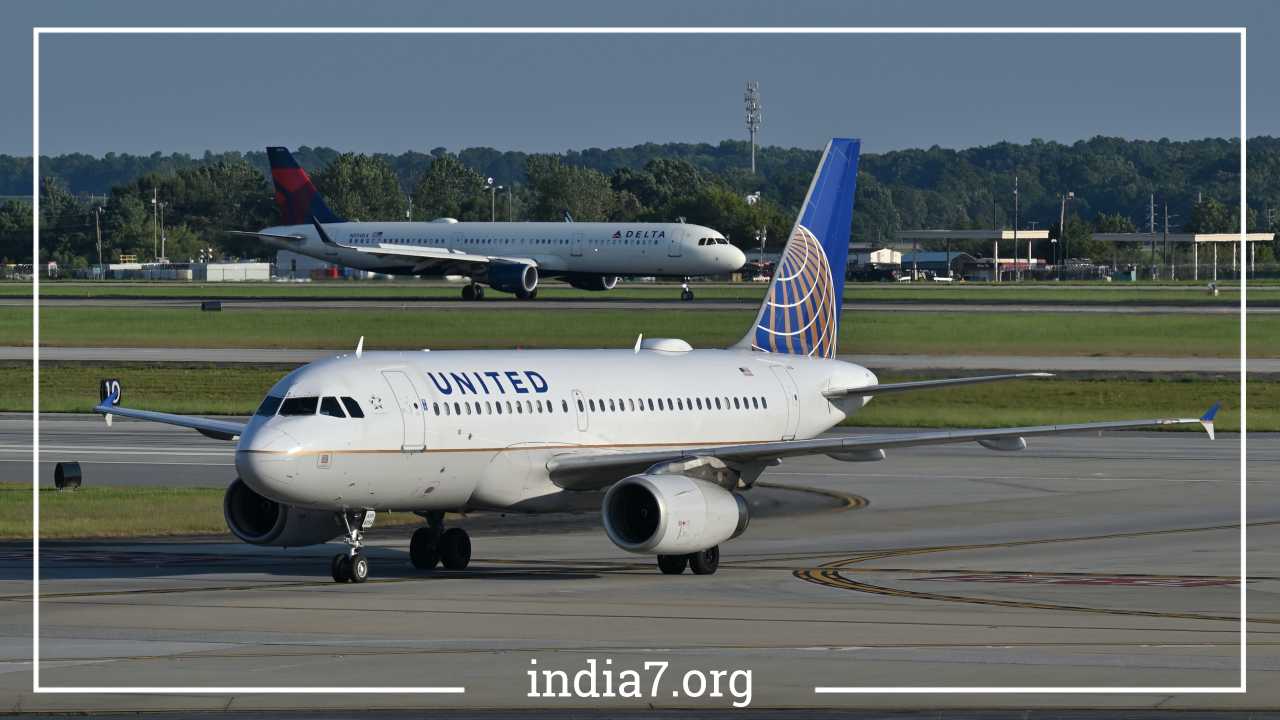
(1241, 32)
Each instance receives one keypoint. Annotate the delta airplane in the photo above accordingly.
(673, 435)
(508, 257)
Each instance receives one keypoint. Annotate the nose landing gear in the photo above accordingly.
(433, 545)
(352, 566)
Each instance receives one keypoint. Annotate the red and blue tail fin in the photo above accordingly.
(297, 198)
(800, 314)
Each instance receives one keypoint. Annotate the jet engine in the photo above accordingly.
(671, 514)
(597, 283)
(513, 277)
(259, 521)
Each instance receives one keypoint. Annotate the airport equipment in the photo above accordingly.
(673, 436)
(507, 257)
(211, 306)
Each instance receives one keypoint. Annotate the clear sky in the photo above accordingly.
(140, 94)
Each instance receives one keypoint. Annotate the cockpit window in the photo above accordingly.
(353, 407)
(330, 406)
(299, 406)
(270, 404)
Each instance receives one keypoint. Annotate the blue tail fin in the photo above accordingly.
(800, 314)
(298, 200)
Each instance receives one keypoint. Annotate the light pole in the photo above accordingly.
(155, 223)
(97, 229)
(493, 192)
(163, 255)
(1017, 269)
(1060, 243)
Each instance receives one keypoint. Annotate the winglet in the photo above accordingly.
(1206, 420)
(639, 338)
(360, 347)
(109, 395)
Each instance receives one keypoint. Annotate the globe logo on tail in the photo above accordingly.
(799, 313)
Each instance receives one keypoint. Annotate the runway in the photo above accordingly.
(1107, 561)
(1060, 363)
(51, 304)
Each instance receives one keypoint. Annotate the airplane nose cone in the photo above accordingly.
(736, 258)
(266, 461)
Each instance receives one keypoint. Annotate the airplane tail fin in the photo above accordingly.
(297, 198)
(800, 314)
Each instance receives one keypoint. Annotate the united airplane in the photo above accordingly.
(508, 257)
(673, 436)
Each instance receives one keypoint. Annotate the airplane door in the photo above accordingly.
(575, 249)
(675, 249)
(792, 394)
(412, 410)
(580, 407)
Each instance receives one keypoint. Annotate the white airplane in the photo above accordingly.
(674, 435)
(508, 257)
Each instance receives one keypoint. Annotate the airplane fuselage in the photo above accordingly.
(558, 248)
(474, 429)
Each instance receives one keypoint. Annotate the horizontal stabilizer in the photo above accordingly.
(867, 390)
(268, 236)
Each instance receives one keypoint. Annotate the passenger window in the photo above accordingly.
(270, 404)
(755, 403)
(468, 407)
(612, 407)
(539, 405)
(735, 404)
(528, 405)
(353, 407)
(488, 408)
(457, 409)
(717, 403)
(436, 408)
(593, 405)
(699, 403)
(508, 407)
(651, 403)
(679, 403)
(446, 409)
(299, 406)
(519, 409)
(330, 406)
(764, 402)
(564, 405)
(498, 406)
(580, 408)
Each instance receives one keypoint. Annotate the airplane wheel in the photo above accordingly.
(686, 295)
(672, 564)
(357, 568)
(424, 551)
(455, 549)
(705, 562)
(337, 568)
(479, 292)
(468, 292)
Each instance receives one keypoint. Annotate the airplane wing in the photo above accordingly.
(574, 471)
(443, 259)
(926, 384)
(268, 236)
(216, 429)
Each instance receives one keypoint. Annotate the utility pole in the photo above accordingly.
(162, 238)
(754, 115)
(511, 211)
(1168, 257)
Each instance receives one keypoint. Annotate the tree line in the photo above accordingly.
(1112, 179)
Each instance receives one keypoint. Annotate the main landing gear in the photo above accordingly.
(474, 291)
(434, 545)
(686, 295)
(351, 566)
(704, 562)
(527, 294)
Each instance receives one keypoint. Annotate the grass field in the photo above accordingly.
(211, 390)
(1084, 293)
(107, 512)
(942, 333)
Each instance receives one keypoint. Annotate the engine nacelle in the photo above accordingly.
(259, 521)
(671, 514)
(596, 283)
(513, 277)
